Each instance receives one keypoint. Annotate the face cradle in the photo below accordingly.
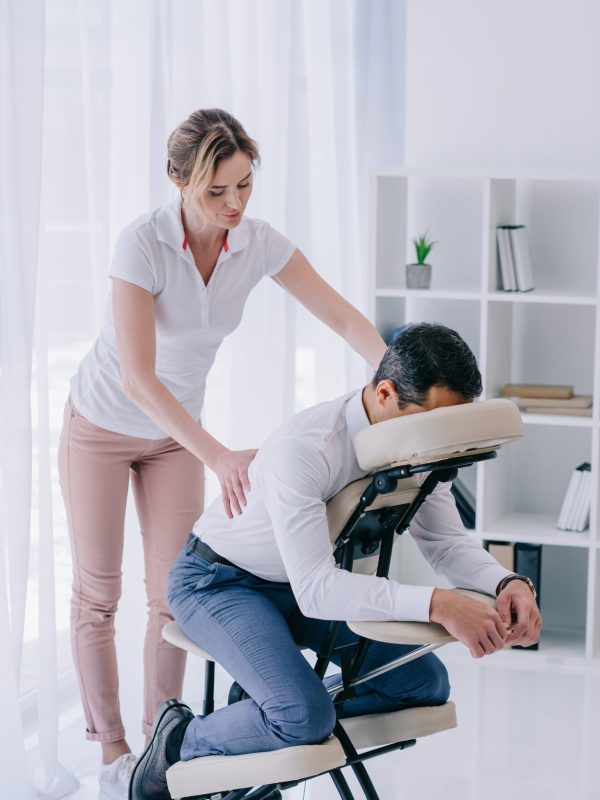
(223, 203)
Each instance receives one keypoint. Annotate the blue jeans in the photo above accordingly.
(254, 628)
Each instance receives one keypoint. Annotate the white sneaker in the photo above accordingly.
(114, 778)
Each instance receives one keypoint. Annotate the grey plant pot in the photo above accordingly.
(418, 276)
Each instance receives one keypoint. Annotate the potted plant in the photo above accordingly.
(418, 275)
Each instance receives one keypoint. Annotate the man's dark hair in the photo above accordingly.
(425, 355)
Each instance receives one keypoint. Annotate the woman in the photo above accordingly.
(180, 277)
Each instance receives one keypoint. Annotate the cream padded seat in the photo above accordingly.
(415, 439)
(216, 773)
(375, 730)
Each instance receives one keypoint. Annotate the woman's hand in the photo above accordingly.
(231, 468)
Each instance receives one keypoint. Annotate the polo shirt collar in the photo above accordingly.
(169, 229)
(356, 416)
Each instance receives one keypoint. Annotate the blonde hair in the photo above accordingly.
(198, 145)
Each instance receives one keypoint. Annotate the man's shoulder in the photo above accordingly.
(314, 426)
(302, 443)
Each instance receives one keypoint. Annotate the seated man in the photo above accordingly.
(252, 589)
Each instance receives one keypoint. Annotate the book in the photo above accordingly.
(504, 553)
(575, 510)
(577, 401)
(528, 562)
(573, 412)
(521, 258)
(505, 260)
(582, 518)
(566, 510)
(538, 390)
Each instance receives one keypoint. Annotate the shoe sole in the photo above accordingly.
(168, 706)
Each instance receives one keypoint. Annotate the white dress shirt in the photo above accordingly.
(191, 318)
(283, 535)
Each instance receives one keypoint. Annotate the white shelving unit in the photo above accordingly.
(549, 335)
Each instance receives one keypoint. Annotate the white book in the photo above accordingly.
(521, 258)
(582, 519)
(505, 258)
(565, 516)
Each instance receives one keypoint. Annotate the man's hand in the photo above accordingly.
(518, 610)
(473, 623)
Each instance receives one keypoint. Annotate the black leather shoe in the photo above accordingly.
(148, 779)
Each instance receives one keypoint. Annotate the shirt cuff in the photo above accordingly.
(412, 603)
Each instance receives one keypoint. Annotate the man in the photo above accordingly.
(251, 589)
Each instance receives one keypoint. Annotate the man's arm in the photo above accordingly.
(456, 554)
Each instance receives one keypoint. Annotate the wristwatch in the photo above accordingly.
(505, 581)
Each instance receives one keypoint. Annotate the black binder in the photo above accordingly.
(528, 562)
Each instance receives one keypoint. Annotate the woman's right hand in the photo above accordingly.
(231, 468)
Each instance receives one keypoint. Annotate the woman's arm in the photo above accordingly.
(300, 279)
(133, 309)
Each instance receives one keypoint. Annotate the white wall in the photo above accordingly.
(503, 83)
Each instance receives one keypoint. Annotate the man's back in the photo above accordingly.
(317, 443)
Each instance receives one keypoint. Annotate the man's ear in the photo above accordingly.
(386, 390)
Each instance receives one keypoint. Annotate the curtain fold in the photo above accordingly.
(101, 85)
(21, 99)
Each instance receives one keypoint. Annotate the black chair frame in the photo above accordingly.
(366, 533)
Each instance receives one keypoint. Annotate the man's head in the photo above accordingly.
(427, 366)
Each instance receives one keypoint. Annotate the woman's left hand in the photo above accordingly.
(231, 468)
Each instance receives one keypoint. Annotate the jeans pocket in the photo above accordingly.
(205, 581)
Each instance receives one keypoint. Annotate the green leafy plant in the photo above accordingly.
(423, 246)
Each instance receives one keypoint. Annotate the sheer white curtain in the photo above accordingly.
(97, 87)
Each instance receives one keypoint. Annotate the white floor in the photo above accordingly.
(529, 729)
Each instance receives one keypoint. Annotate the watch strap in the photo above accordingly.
(505, 581)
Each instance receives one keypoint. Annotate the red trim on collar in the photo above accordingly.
(225, 245)
(184, 244)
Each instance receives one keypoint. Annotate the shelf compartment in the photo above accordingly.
(531, 343)
(410, 206)
(561, 217)
(525, 486)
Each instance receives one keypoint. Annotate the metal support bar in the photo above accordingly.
(375, 673)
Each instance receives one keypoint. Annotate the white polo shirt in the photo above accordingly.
(192, 318)
(283, 535)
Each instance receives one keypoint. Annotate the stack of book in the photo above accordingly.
(521, 557)
(514, 259)
(548, 399)
(575, 511)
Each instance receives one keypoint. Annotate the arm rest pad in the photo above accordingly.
(413, 633)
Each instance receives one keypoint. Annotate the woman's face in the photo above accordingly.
(224, 201)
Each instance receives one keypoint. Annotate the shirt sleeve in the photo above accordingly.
(278, 251)
(132, 263)
(292, 481)
(450, 549)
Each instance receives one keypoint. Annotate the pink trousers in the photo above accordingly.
(95, 468)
